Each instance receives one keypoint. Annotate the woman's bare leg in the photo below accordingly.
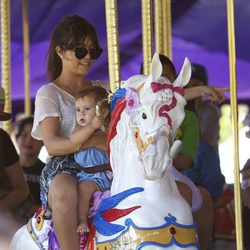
(63, 203)
(85, 192)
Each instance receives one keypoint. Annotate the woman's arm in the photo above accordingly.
(19, 188)
(57, 145)
(214, 94)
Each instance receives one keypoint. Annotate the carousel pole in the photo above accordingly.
(27, 103)
(5, 51)
(163, 39)
(167, 28)
(159, 23)
(233, 103)
(147, 34)
(113, 46)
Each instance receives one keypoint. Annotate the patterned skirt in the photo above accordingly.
(57, 165)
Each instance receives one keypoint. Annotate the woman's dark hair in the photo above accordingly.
(68, 34)
(20, 124)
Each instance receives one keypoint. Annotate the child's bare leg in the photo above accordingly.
(85, 192)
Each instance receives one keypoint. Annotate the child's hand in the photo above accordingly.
(98, 121)
(214, 94)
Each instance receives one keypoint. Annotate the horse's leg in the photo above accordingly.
(204, 218)
(85, 192)
(63, 203)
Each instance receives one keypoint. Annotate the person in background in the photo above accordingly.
(207, 171)
(209, 114)
(198, 198)
(13, 188)
(246, 169)
(245, 185)
(29, 149)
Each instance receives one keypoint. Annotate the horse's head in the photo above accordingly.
(155, 110)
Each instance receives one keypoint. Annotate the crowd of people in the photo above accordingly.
(73, 131)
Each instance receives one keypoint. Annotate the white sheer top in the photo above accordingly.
(52, 101)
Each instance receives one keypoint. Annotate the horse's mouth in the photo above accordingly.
(156, 159)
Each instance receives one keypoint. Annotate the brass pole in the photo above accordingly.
(5, 51)
(147, 34)
(113, 45)
(159, 26)
(233, 103)
(167, 28)
(27, 103)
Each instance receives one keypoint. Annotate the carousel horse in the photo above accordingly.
(144, 209)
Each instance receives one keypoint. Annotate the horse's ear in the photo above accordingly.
(156, 67)
(184, 75)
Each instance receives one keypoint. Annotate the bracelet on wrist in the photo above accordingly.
(78, 147)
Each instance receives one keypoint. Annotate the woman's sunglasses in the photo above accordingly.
(81, 52)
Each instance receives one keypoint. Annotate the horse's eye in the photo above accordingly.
(144, 116)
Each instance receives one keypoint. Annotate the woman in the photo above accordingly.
(73, 47)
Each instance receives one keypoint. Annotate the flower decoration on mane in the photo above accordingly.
(132, 101)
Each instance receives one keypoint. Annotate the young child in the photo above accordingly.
(92, 113)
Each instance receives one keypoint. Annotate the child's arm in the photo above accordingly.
(214, 94)
(97, 140)
(82, 134)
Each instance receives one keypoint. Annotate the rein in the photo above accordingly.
(139, 143)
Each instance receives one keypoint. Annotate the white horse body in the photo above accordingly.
(149, 169)
(141, 154)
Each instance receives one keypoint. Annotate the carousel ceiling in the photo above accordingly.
(199, 31)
